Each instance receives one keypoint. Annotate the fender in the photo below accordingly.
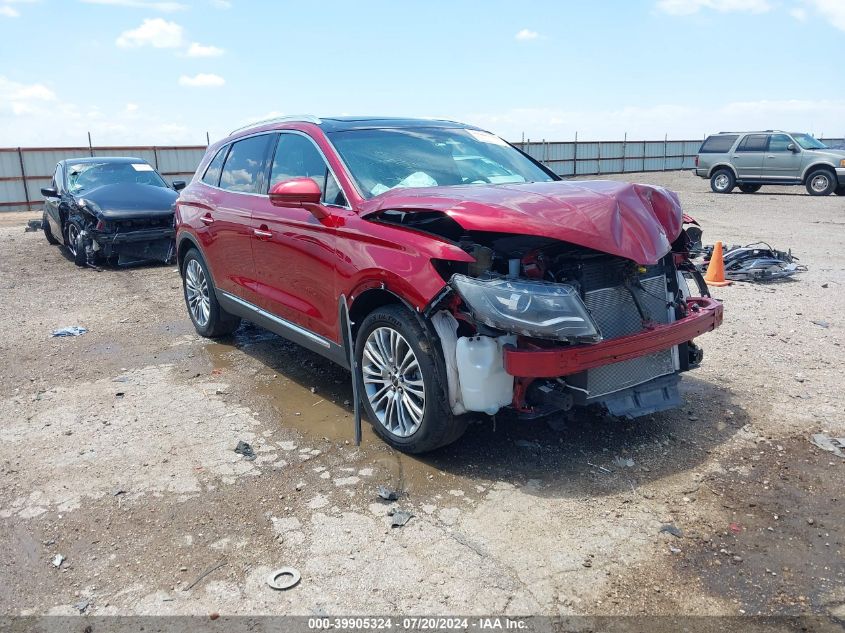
(721, 166)
(810, 168)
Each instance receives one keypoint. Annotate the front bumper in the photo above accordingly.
(704, 315)
(141, 235)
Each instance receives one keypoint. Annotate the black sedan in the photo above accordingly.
(118, 210)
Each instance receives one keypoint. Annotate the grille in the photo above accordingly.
(616, 314)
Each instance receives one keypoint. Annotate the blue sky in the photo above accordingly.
(167, 72)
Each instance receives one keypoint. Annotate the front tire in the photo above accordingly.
(209, 319)
(45, 226)
(403, 382)
(749, 188)
(74, 242)
(821, 182)
(722, 181)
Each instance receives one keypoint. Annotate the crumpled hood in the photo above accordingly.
(638, 222)
(130, 200)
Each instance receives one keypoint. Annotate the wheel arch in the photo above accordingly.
(821, 165)
(719, 166)
(186, 242)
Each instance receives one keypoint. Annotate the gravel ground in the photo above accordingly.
(116, 454)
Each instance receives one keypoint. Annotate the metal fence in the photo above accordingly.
(24, 170)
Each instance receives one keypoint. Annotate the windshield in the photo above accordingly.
(380, 160)
(808, 142)
(87, 176)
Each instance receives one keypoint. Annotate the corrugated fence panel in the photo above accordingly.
(33, 186)
(135, 152)
(39, 163)
(179, 160)
(11, 191)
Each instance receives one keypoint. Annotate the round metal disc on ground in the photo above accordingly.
(284, 578)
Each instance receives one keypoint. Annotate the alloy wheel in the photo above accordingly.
(196, 292)
(722, 182)
(393, 381)
(72, 238)
(820, 183)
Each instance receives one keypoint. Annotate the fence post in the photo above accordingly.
(155, 156)
(23, 179)
(575, 156)
(90, 145)
(624, 151)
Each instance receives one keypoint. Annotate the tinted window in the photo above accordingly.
(298, 157)
(245, 165)
(212, 172)
(753, 143)
(718, 144)
(779, 143)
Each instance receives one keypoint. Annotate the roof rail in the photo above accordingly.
(303, 118)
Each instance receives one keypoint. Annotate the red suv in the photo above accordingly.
(448, 269)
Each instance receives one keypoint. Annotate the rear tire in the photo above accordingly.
(722, 181)
(749, 188)
(209, 319)
(403, 382)
(821, 182)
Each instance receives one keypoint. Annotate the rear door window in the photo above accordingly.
(246, 164)
(212, 172)
(720, 144)
(753, 143)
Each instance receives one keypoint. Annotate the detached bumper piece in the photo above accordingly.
(703, 315)
(135, 247)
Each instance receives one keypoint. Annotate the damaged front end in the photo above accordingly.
(543, 324)
(125, 238)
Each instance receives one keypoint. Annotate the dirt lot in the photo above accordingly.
(116, 452)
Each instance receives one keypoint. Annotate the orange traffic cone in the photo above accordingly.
(716, 268)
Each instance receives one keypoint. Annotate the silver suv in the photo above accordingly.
(753, 159)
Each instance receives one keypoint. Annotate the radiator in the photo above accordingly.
(616, 314)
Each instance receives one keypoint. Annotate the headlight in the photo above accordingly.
(530, 308)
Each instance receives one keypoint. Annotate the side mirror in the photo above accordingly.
(791, 147)
(49, 192)
(299, 192)
(178, 185)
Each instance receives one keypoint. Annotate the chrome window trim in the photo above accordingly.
(293, 327)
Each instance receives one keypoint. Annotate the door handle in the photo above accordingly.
(771, 156)
(207, 219)
(262, 233)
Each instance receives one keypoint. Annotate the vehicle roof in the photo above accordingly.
(758, 132)
(104, 159)
(345, 123)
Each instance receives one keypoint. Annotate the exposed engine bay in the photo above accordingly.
(125, 241)
(541, 294)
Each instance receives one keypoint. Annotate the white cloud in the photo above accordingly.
(155, 32)
(688, 7)
(8, 12)
(799, 14)
(526, 34)
(131, 107)
(222, 4)
(19, 98)
(164, 7)
(202, 80)
(200, 50)
(832, 10)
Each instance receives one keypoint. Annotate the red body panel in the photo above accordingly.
(638, 222)
(704, 315)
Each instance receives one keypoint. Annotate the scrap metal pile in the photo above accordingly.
(757, 262)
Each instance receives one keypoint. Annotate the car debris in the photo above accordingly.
(208, 571)
(32, 226)
(284, 578)
(623, 462)
(243, 448)
(58, 559)
(757, 262)
(81, 605)
(398, 518)
(674, 530)
(73, 330)
(386, 493)
(833, 445)
(822, 324)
